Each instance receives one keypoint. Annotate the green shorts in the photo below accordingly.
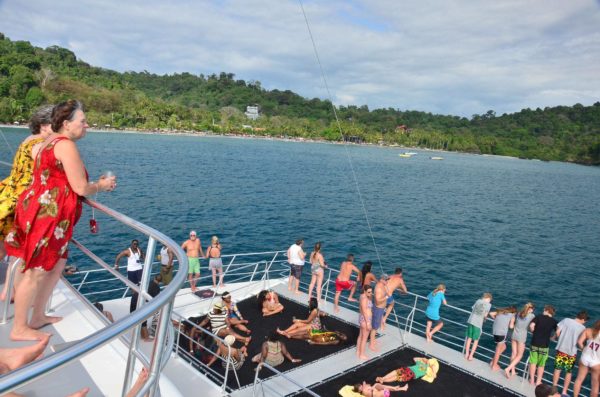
(194, 264)
(538, 356)
(473, 332)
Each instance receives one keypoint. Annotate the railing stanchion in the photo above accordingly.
(9, 282)
(135, 333)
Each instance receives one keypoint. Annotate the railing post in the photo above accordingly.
(9, 282)
(135, 334)
(83, 280)
(327, 285)
(412, 319)
(156, 359)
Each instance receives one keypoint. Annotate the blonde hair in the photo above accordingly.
(525, 309)
(215, 240)
(487, 295)
(440, 287)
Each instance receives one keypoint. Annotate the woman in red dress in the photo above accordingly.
(46, 215)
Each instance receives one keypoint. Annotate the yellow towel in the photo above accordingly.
(433, 366)
(348, 391)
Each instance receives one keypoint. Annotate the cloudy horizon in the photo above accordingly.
(460, 58)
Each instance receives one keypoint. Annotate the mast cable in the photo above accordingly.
(337, 120)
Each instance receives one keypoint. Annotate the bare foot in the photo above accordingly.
(379, 379)
(404, 388)
(470, 358)
(15, 358)
(363, 357)
(336, 309)
(27, 334)
(495, 367)
(351, 299)
(373, 348)
(221, 285)
(297, 292)
(81, 393)
(43, 321)
(507, 373)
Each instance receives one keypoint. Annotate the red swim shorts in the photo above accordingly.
(343, 285)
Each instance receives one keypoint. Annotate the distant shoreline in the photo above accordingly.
(209, 134)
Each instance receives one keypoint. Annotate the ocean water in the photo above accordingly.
(523, 230)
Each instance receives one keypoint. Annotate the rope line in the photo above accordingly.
(337, 120)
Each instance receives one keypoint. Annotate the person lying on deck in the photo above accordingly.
(268, 303)
(377, 390)
(423, 368)
(311, 329)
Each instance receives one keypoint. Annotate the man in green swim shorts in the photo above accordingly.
(193, 249)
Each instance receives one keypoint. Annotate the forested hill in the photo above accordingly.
(30, 76)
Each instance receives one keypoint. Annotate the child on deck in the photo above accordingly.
(503, 321)
(480, 311)
(436, 298)
(543, 325)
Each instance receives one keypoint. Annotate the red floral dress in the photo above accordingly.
(45, 215)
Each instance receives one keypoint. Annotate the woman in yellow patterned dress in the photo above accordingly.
(21, 173)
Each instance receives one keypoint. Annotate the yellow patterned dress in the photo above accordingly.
(12, 187)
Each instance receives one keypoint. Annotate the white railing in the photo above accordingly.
(146, 307)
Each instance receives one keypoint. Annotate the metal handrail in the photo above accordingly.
(163, 303)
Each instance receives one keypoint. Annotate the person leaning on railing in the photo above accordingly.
(21, 175)
(45, 216)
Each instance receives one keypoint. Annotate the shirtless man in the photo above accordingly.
(395, 282)
(343, 282)
(193, 250)
(381, 297)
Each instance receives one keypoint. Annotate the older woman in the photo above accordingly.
(45, 216)
(21, 173)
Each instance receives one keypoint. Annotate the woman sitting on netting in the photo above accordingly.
(311, 329)
(237, 356)
(268, 303)
(274, 352)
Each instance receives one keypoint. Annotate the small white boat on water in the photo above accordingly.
(436, 158)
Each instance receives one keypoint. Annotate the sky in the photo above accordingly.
(458, 57)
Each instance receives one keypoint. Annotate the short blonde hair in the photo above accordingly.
(215, 240)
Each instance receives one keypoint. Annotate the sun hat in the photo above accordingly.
(229, 340)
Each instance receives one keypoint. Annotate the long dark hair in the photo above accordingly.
(313, 304)
(262, 295)
(366, 269)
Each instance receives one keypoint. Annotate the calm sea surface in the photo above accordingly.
(523, 230)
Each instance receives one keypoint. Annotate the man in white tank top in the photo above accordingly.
(135, 262)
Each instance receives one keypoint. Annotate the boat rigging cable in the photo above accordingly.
(337, 120)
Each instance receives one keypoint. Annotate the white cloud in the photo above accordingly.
(453, 57)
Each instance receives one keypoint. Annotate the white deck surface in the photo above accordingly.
(107, 364)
